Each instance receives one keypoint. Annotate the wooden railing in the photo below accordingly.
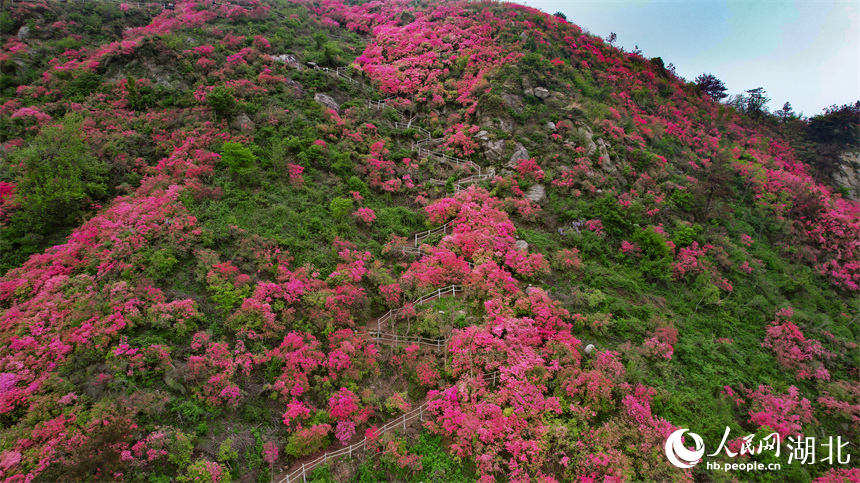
(452, 289)
(341, 73)
(301, 473)
(421, 130)
(396, 339)
(444, 158)
(425, 234)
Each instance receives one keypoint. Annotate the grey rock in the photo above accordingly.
(589, 348)
(513, 101)
(482, 136)
(520, 152)
(847, 174)
(541, 93)
(493, 150)
(23, 33)
(300, 90)
(551, 126)
(586, 138)
(290, 60)
(529, 91)
(605, 160)
(243, 121)
(522, 245)
(536, 193)
(190, 41)
(327, 101)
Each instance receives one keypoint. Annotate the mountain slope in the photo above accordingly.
(242, 196)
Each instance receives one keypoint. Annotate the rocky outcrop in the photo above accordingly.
(847, 174)
(520, 152)
(326, 101)
(541, 93)
(288, 59)
(536, 193)
(494, 150)
(586, 140)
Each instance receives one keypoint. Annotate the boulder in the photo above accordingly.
(589, 348)
(541, 93)
(522, 245)
(300, 90)
(482, 136)
(536, 193)
(605, 160)
(326, 101)
(493, 150)
(551, 126)
(290, 60)
(243, 121)
(586, 138)
(513, 101)
(520, 152)
(23, 33)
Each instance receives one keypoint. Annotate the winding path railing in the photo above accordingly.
(438, 293)
(301, 473)
(426, 234)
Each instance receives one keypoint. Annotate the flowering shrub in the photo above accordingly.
(365, 214)
(793, 350)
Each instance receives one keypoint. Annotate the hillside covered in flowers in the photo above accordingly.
(235, 238)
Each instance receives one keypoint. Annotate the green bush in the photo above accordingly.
(238, 157)
(222, 101)
(340, 208)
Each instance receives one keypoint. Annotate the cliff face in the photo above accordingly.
(847, 174)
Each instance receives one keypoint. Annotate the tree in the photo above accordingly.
(221, 101)
(838, 125)
(611, 38)
(756, 102)
(60, 182)
(786, 113)
(560, 15)
(709, 85)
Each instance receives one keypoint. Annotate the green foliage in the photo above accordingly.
(226, 452)
(227, 296)
(82, 84)
(340, 208)
(356, 184)
(161, 264)
(657, 257)
(222, 101)
(238, 157)
(181, 448)
(58, 185)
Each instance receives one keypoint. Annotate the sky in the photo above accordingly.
(804, 52)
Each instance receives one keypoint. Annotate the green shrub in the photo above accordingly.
(238, 157)
(222, 101)
(340, 208)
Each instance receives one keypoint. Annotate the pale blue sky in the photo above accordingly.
(805, 52)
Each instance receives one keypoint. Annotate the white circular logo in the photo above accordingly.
(678, 454)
